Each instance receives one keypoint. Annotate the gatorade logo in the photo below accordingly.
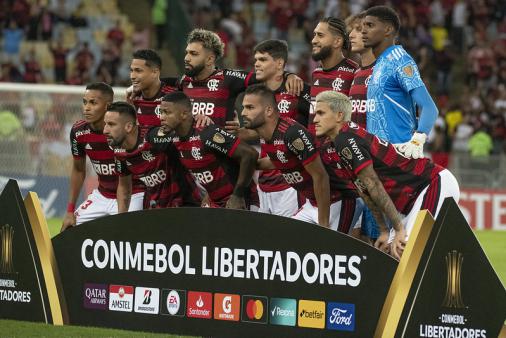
(227, 307)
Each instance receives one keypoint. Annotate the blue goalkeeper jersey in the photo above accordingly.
(391, 112)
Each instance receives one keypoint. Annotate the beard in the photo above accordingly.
(115, 143)
(324, 53)
(194, 71)
(255, 123)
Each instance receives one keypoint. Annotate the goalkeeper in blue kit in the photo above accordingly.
(395, 89)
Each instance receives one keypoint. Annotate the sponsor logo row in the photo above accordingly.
(229, 307)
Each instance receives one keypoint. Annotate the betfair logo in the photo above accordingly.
(311, 314)
(6, 237)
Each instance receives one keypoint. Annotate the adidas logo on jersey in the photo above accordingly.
(88, 147)
(190, 85)
(316, 83)
(128, 163)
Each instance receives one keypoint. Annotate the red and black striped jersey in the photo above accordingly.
(296, 108)
(207, 153)
(340, 178)
(290, 148)
(148, 109)
(337, 78)
(160, 172)
(215, 96)
(358, 95)
(403, 178)
(86, 141)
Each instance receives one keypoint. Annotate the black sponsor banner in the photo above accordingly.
(23, 294)
(221, 272)
(455, 292)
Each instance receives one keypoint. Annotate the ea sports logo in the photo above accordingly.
(173, 302)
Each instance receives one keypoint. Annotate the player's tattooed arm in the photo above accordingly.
(124, 193)
(382, 240)
(379, 196)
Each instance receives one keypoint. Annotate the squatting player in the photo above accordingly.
(135, 156)
(392, 185)
(291, 149)
(220, 162)
(396, 88)
(87, 139)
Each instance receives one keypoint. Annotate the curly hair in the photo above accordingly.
(210, 40)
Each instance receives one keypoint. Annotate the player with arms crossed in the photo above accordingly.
(87, 139)
(392, 185)
(220, 161)
(396, 88)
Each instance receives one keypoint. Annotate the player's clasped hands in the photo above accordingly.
(236, 202)
(398, 244)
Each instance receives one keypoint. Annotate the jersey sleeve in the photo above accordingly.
(238, 80)
(353, 151)
(218, 140)
(304, 105)
(158, 140)
(301, 143)
(76, 148)
(121, 166)
(407, 74)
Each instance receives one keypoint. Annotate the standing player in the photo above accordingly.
(362, 76)
(221, 163)
(292, 150)
(213, 91)
(395, 89)
(134, 156)
(336, 71)
(87, 139)
(358, 97)
(391, 184)
(145, 76)
(276, 196)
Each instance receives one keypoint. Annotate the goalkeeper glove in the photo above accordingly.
(413, 148)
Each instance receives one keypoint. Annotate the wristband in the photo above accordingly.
(71, 207)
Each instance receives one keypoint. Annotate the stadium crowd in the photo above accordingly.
(73, 42)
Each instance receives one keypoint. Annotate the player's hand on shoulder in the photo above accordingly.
(202, 121)
(236, 202)
(68, 221)
(232, 127)
(294, 84)
(130, 94)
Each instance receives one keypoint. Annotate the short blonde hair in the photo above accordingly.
(337, 102)
(210, 40)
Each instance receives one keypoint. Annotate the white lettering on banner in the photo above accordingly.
(484, 208)
(15, 296)
(223, 262)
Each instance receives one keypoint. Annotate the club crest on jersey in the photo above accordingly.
(281, 156)
(408, 70)
(196, 153)
(157, 111)
(147, 156)
(218, 138)
(337, 84)
(298, 144)
(367, 80)
(283, 106)
(212, 85)
(353, 125)
(346, 152)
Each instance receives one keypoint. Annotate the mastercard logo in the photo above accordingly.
(254, 309)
